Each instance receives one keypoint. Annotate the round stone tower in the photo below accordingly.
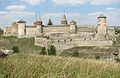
(73, 27)
(64, 20)
(102, 24)
(21, 28)
(38, 24)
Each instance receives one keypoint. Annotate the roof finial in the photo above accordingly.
(36, 16)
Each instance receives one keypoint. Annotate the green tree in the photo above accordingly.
(117, 59)
(43, 51)
(15, 49)
(50, 22)
(52, 50)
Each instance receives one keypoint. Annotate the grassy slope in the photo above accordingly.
(89, 52)
(36, 66)
(92, 51)
(25, 45)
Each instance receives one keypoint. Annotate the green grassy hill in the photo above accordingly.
(36, 66)
(25, 45)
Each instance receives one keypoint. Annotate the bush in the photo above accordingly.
(117, 60)
(52, 50)
(15, 49)
(43, 51)
(75, 54)
(97, 57)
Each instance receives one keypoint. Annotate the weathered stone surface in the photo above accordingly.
(66, 35)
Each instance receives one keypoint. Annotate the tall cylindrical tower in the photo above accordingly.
(73, 27)
(102, 24)
(39, 25)
(21, 28)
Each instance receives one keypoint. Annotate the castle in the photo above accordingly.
(65, 35)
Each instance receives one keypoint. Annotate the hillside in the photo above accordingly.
(36, 66)
(93, 51)
(25, 45)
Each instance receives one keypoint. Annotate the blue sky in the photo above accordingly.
(83, 11)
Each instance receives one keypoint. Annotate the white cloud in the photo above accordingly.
(60, 14)
(56, 17)
(33, 2)
(112, 15)
(16, 7)
(106, 2)
(3, 12)
(7, 17)
(69, 2)
(79, 2)
(8, 2)
(109, 8)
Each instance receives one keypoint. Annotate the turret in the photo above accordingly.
(38, 24)
(64, 20)
(73, 27)
(102, 24)
(21, 28)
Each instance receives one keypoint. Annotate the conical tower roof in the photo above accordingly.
(38, 20)
(73, 21)
(102, 16)
(64, 17)
(21, 21)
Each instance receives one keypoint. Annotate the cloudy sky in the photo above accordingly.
(83, 11)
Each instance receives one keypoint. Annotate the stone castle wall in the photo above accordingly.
(32, 31)
(111, 32)
(86, 29)
(56, 29)
(62, 45)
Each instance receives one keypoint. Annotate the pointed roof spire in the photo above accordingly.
(102, 16)
(64, 17)
(38, 18)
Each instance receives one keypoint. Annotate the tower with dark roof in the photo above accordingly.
(102, 24)
(21, 27)
(73, 27)
(38, 24)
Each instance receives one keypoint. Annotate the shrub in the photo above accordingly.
(117, 60)
(15, 49)
(43, 51)
(52, 50)
(75, 54)
(97, 57)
